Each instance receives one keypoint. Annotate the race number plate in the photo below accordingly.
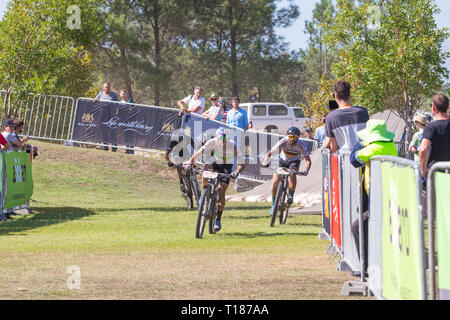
(210, 175)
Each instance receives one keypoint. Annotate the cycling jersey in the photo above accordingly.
(291, 152)
(221, 156)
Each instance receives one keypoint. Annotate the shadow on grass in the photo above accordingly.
(41, 217)
(162, 209)
(250, 207)
(265, 235)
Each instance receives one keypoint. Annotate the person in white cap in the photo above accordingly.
(420, 121)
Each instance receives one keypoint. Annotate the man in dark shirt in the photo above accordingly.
(435, 146)
(343, 123)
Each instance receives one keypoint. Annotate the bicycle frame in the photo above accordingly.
(207, 209)
(280, 204)
(189, 175)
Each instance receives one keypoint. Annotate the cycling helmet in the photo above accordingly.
(222, 133)
(293, 131)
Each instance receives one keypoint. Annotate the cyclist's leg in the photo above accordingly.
(293, 166)
(275, 183)
(222, 189)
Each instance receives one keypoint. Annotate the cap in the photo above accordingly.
(9, 123)
(214, 96)
(420, 118)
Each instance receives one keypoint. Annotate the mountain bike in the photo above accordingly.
(280, 205)
(207, 208)
(191, 187)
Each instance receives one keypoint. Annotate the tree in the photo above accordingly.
(392, 53)
(319, 56)
(143, 39)
(232, 35)
(42, 49)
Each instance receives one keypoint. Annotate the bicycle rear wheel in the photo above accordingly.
(277, 202)
(195, 188)
(188, 187)
(202, 215)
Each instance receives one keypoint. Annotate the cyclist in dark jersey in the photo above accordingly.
(290, 150)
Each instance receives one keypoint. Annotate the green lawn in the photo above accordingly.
(120, 219)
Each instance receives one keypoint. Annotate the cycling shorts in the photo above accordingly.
(288, 163)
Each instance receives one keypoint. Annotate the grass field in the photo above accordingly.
(120, 220)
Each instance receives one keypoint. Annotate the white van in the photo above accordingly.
(273, 116)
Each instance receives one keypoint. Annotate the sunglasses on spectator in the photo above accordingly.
(221, 101)
(213, 99)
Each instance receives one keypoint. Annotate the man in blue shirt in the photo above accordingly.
(320, 131)
(237, 116)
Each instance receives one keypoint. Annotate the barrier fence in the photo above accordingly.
(438, 193)
(16, 181)
(396, 265)
(46, 117)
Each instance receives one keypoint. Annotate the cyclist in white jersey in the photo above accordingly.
(290, 150)
(218, 155)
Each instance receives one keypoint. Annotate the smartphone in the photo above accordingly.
(332, 104)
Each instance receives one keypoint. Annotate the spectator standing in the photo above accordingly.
(309, 134)
(343, 123)
(215, 111)
(107, 95)
(195, 102)
(237, 116)
(124, 98)
(376, 141)
(225, 109)
(319, 135)
(420, 121)
(435, 145)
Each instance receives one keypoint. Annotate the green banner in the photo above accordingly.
(19, 180)
(402, 256)
(442, 187)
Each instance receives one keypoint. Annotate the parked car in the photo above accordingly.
(273, 116)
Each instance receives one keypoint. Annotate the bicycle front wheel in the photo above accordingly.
(202, 215)
(277, 202)
(213, 212)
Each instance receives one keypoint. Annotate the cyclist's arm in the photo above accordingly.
(308, 163)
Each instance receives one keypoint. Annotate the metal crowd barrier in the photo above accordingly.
(351, 199)
(396, 266)
(325, 234)
(17, 173)
(395, 227)
(438, 192)
(46, 117)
